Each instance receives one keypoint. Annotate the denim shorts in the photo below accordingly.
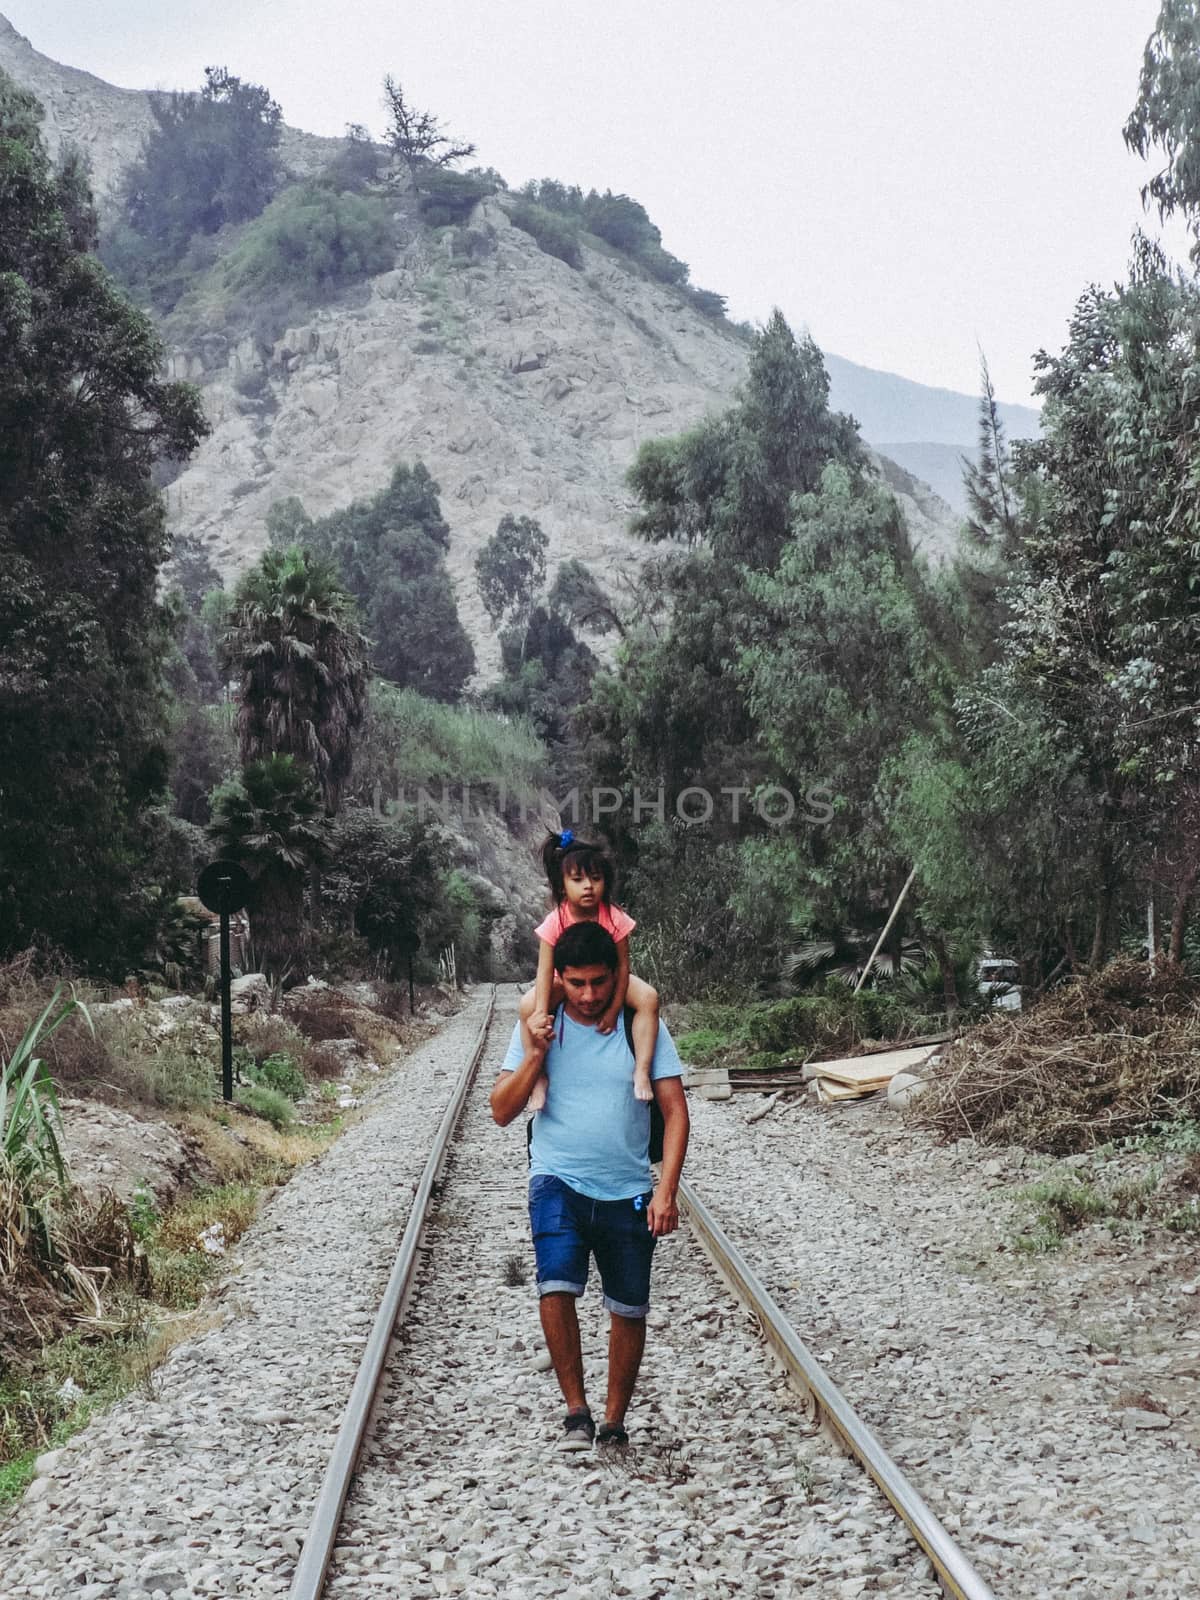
(568, 1227)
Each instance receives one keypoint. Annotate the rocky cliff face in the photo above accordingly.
(523, 385)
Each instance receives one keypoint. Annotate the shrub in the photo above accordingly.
(702, 1045)
(177, 1072)
(280, 1073)
(835, 1020)
(268, 1033)
(707, 302)
(553, 232)
(449, 197)
(269, 1104)
(313, 238)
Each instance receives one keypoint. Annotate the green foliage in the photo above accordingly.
(293, 637)
(271, 1105)
(280, 1074)
(356, 164)
(701, 1045)
(83, 638)
(1167, 113)
(210, 159)
(510, 569)
(707, 302)
(271, 821)
(447, 197)
(461, 915)
(580, 599)
(728, 484)
(618, 220)
(547, 674)
(385, 876)
(410, 743)
(204, 754)
(1094, 667)
(554, 233)
(390, 550)
(836, 1021)
(177, 1073)
(1180, 1137)
(991, 490)
(313, 239)
(30, 1123)
(847, 676)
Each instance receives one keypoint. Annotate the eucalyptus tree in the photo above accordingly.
(510, 570)
(1102, 644)
(294, 640)
(1166, 115)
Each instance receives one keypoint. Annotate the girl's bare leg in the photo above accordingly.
(644, 1001)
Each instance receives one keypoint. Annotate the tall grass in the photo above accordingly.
(422, 743)
(31, 1160)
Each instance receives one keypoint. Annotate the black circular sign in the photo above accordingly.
(224, 886)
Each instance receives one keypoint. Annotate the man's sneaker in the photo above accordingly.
(611, 1436)
(578, 1432)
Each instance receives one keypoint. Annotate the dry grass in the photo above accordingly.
(92, 1252)
(1099, 1059)
(328, 1014)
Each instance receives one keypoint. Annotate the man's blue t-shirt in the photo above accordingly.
(592, 1133)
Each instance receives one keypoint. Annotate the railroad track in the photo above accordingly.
(443, 1478)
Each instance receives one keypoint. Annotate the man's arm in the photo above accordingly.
(663, 1212)
(512, 1089)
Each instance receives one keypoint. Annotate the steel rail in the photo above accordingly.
(830, 1407)
(317, 1550)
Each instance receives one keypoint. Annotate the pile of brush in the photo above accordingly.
(1098, 1059)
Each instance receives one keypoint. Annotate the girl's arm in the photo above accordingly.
(617, 1004)
(544, 982)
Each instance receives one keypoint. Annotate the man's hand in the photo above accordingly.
(608, 1021)
(662, 1213)
(541, 1027)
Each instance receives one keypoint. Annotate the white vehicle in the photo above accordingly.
(999, 980)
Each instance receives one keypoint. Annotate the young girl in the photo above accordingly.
(581, 880)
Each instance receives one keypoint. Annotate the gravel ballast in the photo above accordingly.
(204, 1484)
(725, 1489)
(1007, 1423)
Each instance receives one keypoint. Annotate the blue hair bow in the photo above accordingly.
(565, 838)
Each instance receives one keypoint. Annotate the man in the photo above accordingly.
(591, 1191)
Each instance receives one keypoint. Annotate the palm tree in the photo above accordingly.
(294, 639)
(271, 821)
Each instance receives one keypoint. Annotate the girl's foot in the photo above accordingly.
(537, 1100)
(641, 1084)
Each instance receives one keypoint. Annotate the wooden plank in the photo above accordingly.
(877, 1069)
(828, 1091)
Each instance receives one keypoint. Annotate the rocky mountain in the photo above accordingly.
(524, 385)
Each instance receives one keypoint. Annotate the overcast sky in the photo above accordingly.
(909, 178)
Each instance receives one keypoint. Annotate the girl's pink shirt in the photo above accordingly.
(611, 918)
